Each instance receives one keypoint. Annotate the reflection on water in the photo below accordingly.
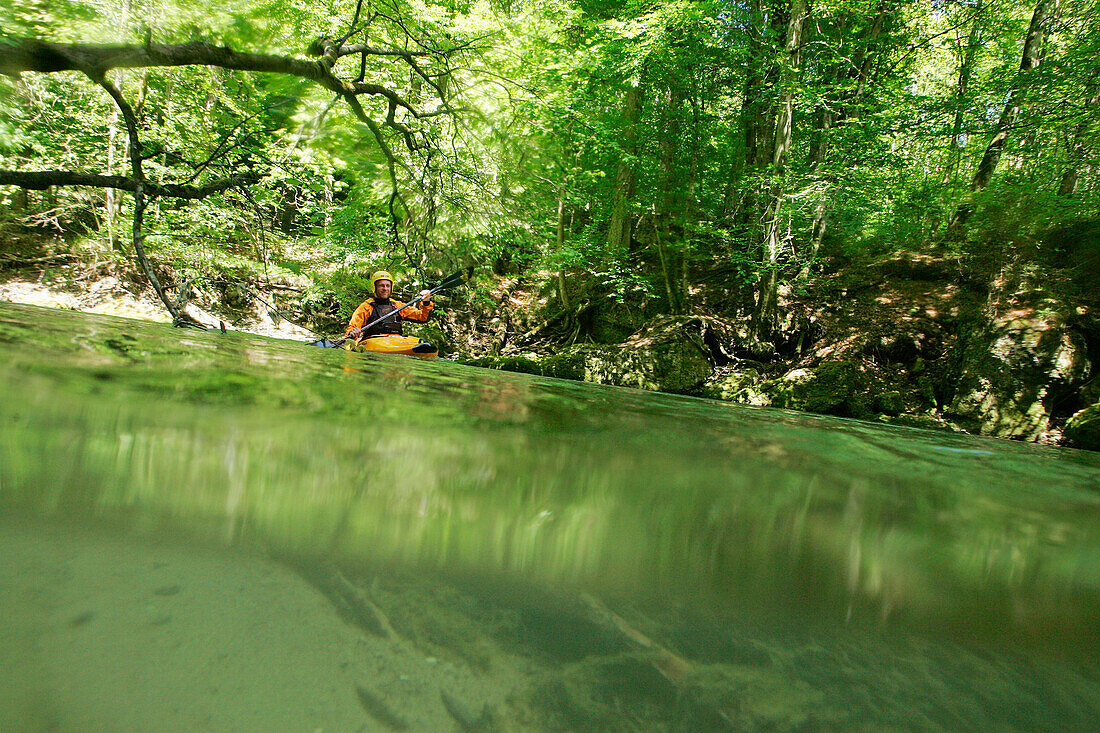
(680, 564)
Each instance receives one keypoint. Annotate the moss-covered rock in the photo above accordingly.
(670, 359)
(831, 388)
(568, 364)
(683, 366)
(1011, 371)
(889, 402)
(1083, 429)
(675, 361)
(521, 364)
(671, 365)
(744, 386)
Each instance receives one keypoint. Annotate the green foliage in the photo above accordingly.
(346, 287)
(1014, 214)
(544, 143)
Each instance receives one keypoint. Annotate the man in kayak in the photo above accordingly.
(381, 304)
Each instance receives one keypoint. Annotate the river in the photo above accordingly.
(208, 531)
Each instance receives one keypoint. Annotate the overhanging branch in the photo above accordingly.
(41, 180)
(18, 55)
(428, 61)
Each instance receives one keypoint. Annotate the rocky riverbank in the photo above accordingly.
(925, 339)
(914, 339)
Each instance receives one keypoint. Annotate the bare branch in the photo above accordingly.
(18, 55)
(377, 51)
(140, 201)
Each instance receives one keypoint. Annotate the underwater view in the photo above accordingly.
(226, 532)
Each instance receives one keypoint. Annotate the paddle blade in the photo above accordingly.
(459, 278)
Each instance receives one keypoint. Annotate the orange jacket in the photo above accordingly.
(362, 314)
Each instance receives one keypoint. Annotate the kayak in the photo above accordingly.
(393, 344)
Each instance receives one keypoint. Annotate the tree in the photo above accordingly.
(428, 55)
(848, 76)
(631, 148)
(764, 314)
(1029, 64)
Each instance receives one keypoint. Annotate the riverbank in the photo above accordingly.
(110, 296)
(923, 339)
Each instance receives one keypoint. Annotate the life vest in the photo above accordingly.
(381, 308)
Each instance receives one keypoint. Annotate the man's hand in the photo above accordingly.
(425, 296)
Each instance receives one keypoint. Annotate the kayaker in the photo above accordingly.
(381, 304)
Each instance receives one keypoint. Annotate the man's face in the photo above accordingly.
(382, 289)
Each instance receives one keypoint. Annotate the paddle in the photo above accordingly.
(452, 281)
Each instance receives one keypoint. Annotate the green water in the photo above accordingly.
(576, 557)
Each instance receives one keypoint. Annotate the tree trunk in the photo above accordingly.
(966, 69)
(765, 312)
(671, 197)
(1078, 147)
(837, 113)
(756, 119)
(179, 317)
(823, 206)
(693, 165)
(111, 197)
(563, 292)
(669, 147)
(1044, 10)
(619, 227)
(666, 271)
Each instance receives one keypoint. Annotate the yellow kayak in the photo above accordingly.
(392, 344)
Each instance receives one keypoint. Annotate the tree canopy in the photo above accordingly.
(620, 147)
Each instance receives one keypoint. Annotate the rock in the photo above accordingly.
(667, 368)
(568, 364)
(673, 364)
(831, 388)
(1011, 371)
(890, 402)
(744, 386)
(673, 360)
(1083, 429)
(521, 364)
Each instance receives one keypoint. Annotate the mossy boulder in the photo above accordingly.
(521, 364)
(568, 364)
(831, 388)
(669, 365)
(744, 386)
(1011, 371)
(670, 358)
(675, 361)
(888, 402)
(1083, 429)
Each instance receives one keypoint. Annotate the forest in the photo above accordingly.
(879, 209)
